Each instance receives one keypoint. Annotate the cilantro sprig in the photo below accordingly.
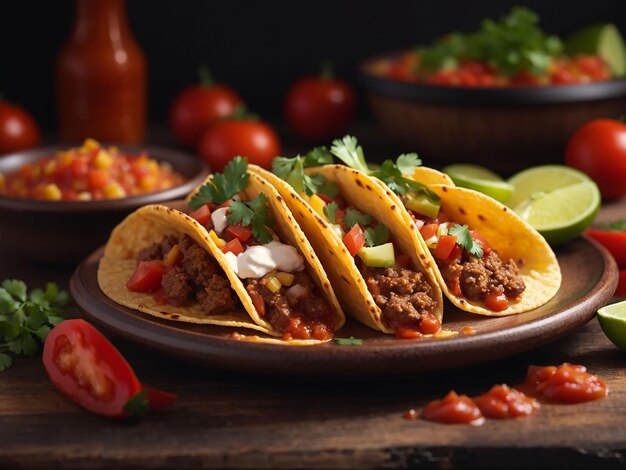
(26, 319)
(354, 216)
(291, 170)
(350, 152)
(255, 213)
(615, 226)
(377, 235)
(330, 211)
(223, 186)
(464, 239)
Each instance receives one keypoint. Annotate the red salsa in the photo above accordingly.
(503, 402)
(90, 172)
(567, 383)
(453, 409)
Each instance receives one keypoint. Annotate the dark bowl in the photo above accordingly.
(64, 232)
(505, 129)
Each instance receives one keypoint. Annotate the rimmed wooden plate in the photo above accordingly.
(589, 281)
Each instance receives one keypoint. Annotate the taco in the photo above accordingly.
(486, 258)
(370, 257)
(259, 273)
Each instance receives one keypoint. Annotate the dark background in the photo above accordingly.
(258, 47)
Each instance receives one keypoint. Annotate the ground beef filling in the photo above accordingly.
(403, 295)
(478, 277)
(195, 276)
(304, 316)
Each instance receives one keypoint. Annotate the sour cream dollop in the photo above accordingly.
(259, 260)
(218, 217)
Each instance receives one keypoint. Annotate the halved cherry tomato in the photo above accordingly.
(612, 240)
(202, 215)
(429, 230)
(496, 301)
(88, 369)
(444, 247)
(147, 276)
(234, 246)
(240, 232)
(621, 284)
(354, 240)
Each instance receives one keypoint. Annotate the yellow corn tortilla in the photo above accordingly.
(507, 234)
(362, 192)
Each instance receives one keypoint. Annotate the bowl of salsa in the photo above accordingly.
(57, 204)
(507, 95)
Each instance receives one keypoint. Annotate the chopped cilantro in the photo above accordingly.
(256, 213)
(26, 320)
(464, 239)
(377, 235)
(291, 170)
(354, 217)
(330, 211)
(223, 186)
(407, 162)
(617, 226)
(351, 341)
(350, 152)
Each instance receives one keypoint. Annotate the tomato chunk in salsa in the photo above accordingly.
(90, 172)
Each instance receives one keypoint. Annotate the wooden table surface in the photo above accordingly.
(228, 420)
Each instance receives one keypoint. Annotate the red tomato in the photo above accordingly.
(234, 246)
(202, 215)
(197, 107)
(354, 239)
(612, 240)
(444, 247)
(147, 276)
(87, 368)
(496, 301)
(320, 108)
(621, 284)
(18, 129)
(226, 139)
(598, 148)
(429, 230)
(240, 232)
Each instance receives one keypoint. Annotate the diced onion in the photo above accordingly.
(297, 291)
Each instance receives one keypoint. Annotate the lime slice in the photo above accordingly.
(604, 40)
(544, 179)
(612, 319)
(479, 179)
(561, 215)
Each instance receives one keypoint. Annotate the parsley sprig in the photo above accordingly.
(223, 186)
(255, 213)
(330, 211)
(26, 319)
(291, 170)
(464, 239)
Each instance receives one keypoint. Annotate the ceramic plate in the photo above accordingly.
(589, 280)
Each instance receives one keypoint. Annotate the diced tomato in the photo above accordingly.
(496, 301)
(445, 245)
(402, 260)
(240, 232)
(234, 246)
(429, 230)
(147, 276)
(429, 324)
(408, 330)
(478, 238)
(258, 302)
(80, 167)
(202, 215)
(224, 204)
(442, 217)
(455, 288)
(98, 178)
(354, 240)
(455, 255)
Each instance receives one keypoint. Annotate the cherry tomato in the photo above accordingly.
(612, 240)
(320, 108)
(226, 139)
(18, 129)
(87, 368)
(197, 107)
(598, 148)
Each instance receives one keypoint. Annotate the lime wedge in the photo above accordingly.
(561, 215)
(479, 179)
(542, 179)
(612, 319)
(604, 40)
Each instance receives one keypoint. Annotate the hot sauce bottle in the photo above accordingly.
(101, 76)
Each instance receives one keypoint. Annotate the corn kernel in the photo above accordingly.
(317, 204)
(50, 167)
(286, 279)
(103, 160)
(147, 182)
(51, 192)
(90, 144)
(114, 191)
(153, 166)
(218, 241)
(273, 284)
(172, 256)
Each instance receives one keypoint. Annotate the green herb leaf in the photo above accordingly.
(23, 344)
(137, 405)
(407, 162)
(7, 303)
(223, 186)
(291, 170)
(255, 213)
(617, 226)
(464, 239)
(330, 211)
(354, 217)
(314, 184)
(317, 157)
(350, 152)
(15, 288)
(377, 235)
(351, 341)
(5, 361)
